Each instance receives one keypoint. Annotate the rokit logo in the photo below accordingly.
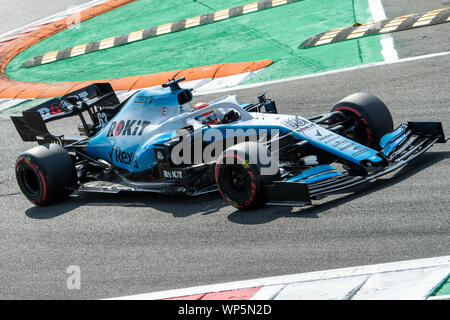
(118, 156)
(127, 128)
(173, 174)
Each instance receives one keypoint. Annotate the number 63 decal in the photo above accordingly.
(102, 118)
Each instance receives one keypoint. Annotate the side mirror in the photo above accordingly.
(270, 106)
(262, 97)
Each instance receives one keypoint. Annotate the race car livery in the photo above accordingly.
(157, 141)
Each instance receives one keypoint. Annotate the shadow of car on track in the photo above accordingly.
(179, 206)
(184, 206)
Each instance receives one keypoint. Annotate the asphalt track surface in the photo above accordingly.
(138, 243)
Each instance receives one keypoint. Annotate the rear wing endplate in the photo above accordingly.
(99, 100)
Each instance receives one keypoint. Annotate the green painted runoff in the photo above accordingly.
(270, 34)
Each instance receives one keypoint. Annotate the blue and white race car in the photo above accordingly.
(157, 141)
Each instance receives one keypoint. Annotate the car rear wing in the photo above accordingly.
(98, 100)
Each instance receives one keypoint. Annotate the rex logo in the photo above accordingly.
(123, 157)
(127, 128)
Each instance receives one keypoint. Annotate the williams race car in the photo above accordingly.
(157, 141)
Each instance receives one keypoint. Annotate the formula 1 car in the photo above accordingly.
(156, 141)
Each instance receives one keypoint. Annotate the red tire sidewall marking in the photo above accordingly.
(27, 162)
(44, 187)
(244, 163)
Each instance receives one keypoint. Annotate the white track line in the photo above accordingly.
(377, 10)
(295, 278)
(446, 297)
(387, 41)
(321, 74)
(69, 11)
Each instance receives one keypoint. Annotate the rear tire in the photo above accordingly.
(372, 117)
(46, 174)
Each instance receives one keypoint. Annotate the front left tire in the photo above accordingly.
(240, 180)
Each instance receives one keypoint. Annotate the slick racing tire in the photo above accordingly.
(372, 117)
(241, 177)
(46, 174)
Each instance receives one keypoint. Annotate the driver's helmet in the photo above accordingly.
(208, 117)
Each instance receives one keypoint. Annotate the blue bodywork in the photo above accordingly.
(128, 139)
(150, 143)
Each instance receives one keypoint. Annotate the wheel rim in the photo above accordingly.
(355, 129)
(236, 180)
(31, 182)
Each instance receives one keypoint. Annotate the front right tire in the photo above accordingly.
(371, 118)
